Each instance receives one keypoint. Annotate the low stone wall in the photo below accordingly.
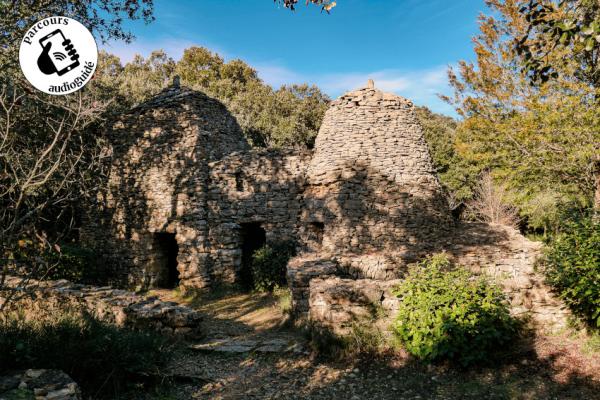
(510, 258)
(114, 306)
(300, 271)
(340, 289)
(336, 303)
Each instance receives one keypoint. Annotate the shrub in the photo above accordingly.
(100, 357)
(491, 203)
(269, 266)
(72, 263)
(364, 339)
(572, 265)
(66, 261)
(447, 313)
(284, 298)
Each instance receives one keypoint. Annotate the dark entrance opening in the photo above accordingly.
(169, 250)
(253, 238)
(315, 232)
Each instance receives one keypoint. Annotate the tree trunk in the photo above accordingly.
(596, 162)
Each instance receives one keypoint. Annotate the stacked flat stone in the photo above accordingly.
(117, 307)
(371, 180)
(360, 208)
(158, 182)
(372, 186)
(259, 186)
(497, 251)
(39, 384)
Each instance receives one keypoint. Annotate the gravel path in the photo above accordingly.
(554, 367)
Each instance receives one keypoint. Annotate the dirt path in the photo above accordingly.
(556, 367)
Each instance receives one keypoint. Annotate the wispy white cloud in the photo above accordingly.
(420, 86)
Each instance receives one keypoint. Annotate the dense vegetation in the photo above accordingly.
(540, 141)
(530, 121)
(446, 313)
(572, 265)
(288, 116)
(114, 358)
(269, 266)
(520, 153)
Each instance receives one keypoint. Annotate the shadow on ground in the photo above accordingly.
(543, 367)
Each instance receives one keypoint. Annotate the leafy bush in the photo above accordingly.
(447, 313)
(572, 266)
(100, 357)
(72, 263)
(66, 261)
(269, 266)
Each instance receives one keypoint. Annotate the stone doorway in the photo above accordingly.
(169, 250)
(315, 234)
(253, 238)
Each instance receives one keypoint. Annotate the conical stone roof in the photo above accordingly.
(376, 129)
(371, 181)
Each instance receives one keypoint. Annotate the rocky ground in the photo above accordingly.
(229, 364)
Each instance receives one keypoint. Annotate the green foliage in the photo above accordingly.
(73, 263)
(571, 25)
(284, 299)
(572, 266)
(592, 343)
(456, 174)
(269, 266)
(541, 142)
(446, 313)
(101, 358)
(66, 261)
(288, 116)
(364, 338)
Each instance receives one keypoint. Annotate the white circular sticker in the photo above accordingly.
(58, 55)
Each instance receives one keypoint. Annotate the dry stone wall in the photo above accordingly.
(372, 186)
(499, 252)
(158, 183)
(113, 306)
(260, 186)
(510, 258)
(360, 208)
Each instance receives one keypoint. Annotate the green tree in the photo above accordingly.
(456, 174)
(288, 116)
(540, 141)
(49, 150)
(557, 26)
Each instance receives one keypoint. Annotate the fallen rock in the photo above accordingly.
(41, 384)
(235, 345)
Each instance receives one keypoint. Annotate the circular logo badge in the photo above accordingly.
(58, 55)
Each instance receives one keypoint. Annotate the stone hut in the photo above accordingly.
(187, 202)
(371, 184)
(186, 199)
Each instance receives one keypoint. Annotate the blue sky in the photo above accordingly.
(406, 46)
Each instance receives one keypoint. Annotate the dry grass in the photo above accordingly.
(563, 366)
(491, 205)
